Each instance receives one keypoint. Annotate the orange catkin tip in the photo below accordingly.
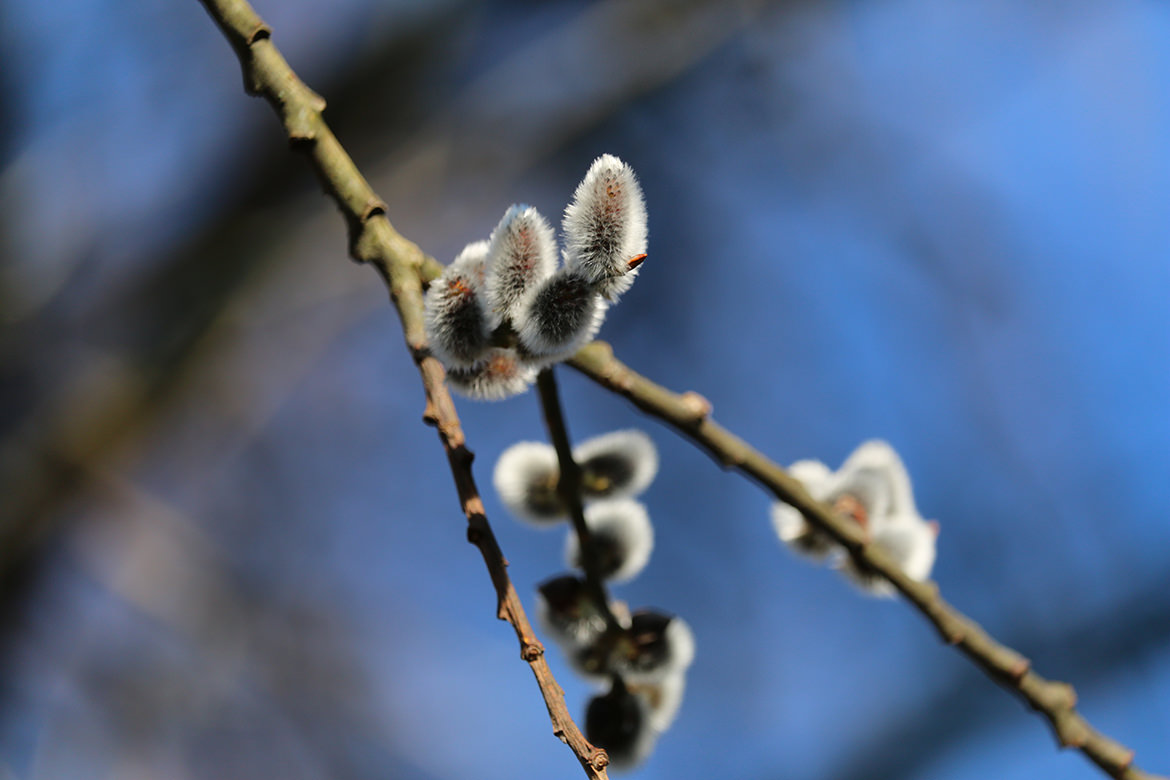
(460, 286)
(851, 507)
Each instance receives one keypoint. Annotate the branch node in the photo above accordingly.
(1072, 738)
(315, 101)
(303, 119)
(430, 415)
(1069, 694)
(375, 207)
(730, 460)
(364, 247)
(1020, 668)
(696, 405)
(531, 649)
(259, 31)
(461, 454)
(599, 759)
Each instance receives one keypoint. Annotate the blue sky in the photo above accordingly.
(940, 224)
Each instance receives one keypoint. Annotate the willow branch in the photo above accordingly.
(690, 415)
(374, 240)
(569, 488)
(401, 264)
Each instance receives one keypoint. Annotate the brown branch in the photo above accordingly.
(569, 488)
(373, 240)
(690, 415)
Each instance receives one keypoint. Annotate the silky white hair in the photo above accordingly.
(522, 253)
(624, 523)
(605, 226)
(454, 316)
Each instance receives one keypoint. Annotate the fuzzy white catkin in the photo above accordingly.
(909, 540)
(623, 523)
(627, 458)
(559, 316)
(621, 722)
(570, 633)
(454, 316)
(522, 253)
(526, 477)
(665, 698)
(567, 613)
(790, 524)
(874, 476)
(605, 225)
(671, 654)
(498, 375)
(875, 472)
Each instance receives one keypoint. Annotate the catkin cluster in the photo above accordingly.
(641, 663)
(872, 489)
(505, 308)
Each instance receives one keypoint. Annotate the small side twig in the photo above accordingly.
(690, 415)
(374, 240)
(569, 488)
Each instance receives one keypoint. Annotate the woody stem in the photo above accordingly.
(569, 489)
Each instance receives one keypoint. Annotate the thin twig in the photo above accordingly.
(569, 488)
(373, 240)
(690, 415)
